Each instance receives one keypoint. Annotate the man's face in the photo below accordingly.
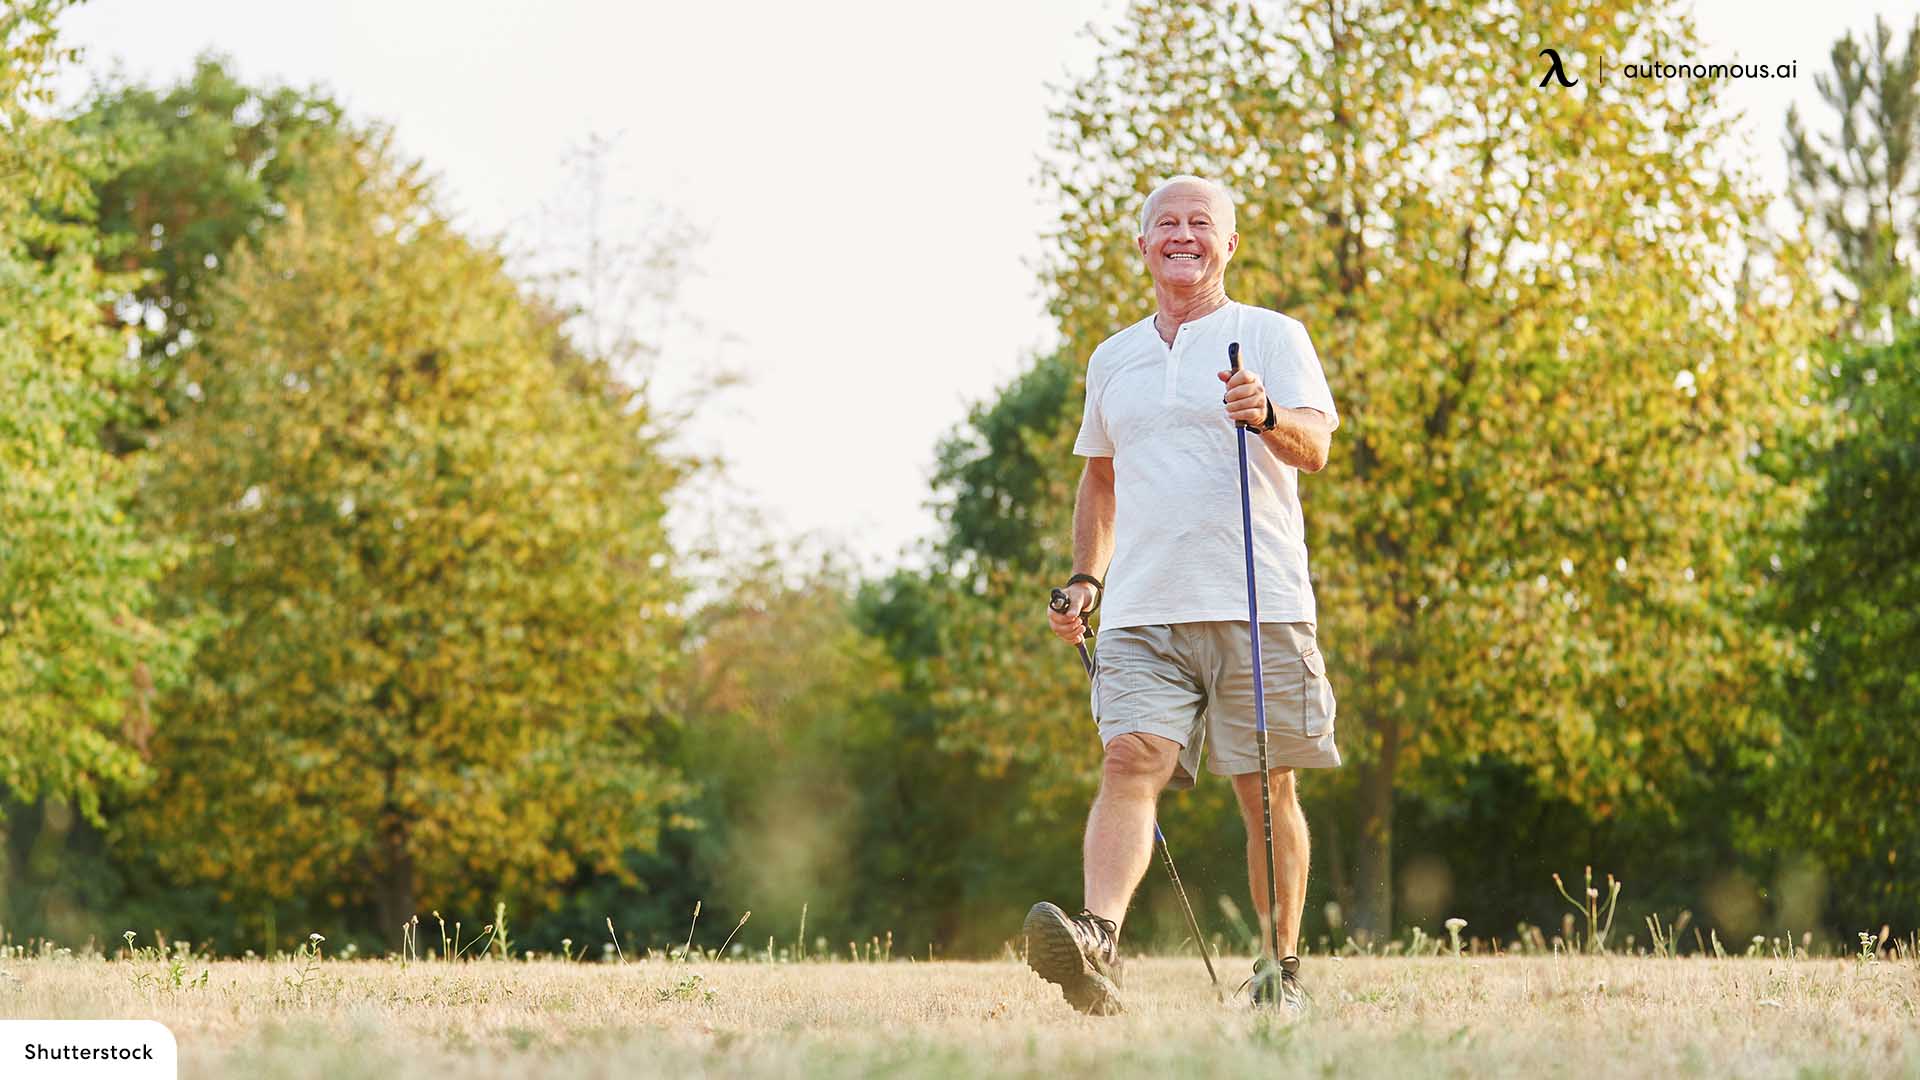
(1187, 244)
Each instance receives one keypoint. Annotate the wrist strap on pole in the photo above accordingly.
(1096, 583)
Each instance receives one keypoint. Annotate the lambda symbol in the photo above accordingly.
(1555, 71)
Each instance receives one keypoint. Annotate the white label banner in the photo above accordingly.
(88, 1050)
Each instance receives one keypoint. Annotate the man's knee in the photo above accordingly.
(1282, 794)
(1137, 760)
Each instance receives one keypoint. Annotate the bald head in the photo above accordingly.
(1218, 196)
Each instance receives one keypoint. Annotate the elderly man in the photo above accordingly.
(1158, 516)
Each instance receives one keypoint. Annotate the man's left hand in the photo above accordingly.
(1246, 399)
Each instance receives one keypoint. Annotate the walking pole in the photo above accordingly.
(1059, 603)
(1259, 691)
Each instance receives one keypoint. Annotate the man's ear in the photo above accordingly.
(1233, 244)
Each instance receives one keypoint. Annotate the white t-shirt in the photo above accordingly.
(1178, 544)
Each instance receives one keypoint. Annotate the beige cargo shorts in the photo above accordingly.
(1193, 683)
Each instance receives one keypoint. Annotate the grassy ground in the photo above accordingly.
(1533, 1016)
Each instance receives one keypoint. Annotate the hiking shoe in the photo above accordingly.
(1078, 953)
(1278, 986)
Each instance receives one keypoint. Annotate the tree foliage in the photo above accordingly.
(434, 537)
(80, 650)
(1860, 185)
(1847, 589)
(1850, 589)
(191, 173)
(1530, 544)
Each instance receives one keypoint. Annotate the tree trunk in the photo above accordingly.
(1340, 878)
(1374, 889)
(394, 895)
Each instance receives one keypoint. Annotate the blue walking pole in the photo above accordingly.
(1059, 603)
(1259, 691)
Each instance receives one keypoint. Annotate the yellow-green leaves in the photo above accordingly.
(434, 536)
(79, 657)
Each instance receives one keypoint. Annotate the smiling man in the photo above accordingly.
(1158, 516)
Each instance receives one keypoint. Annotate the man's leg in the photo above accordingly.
(1289, 854)
(1119, 842)
(1081, 953)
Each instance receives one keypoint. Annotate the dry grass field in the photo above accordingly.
(1440, 1016)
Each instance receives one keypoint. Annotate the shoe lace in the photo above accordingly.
(1107, 927)
(1280, 976)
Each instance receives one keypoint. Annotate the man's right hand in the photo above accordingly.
(1066, 624)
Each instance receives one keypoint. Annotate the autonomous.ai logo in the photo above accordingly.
(1555, 70)
(1657, 70)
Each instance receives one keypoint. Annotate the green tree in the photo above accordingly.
(1849, 766)
(433, 534)
(1555, 369)
(1847, 588)
(81, 652)
(778, 671)
(191, 172)
(1858, 186)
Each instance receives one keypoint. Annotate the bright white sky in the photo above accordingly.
(864, 174)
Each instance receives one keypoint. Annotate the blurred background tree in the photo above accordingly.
(1850, 590)
(191, 173)
(1859, 184)
(1849, 584)
(440, 567)
(82, 652)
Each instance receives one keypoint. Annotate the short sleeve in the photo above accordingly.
(1093, 440)
(1296, 380)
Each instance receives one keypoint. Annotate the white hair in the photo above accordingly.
(1217, 189)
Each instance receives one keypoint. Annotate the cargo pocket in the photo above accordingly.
(1316, 698)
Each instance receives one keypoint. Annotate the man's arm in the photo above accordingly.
(1093, 510)
(1300, 437)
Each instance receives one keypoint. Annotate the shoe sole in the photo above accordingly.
(1054, 955)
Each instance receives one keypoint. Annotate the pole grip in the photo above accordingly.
(1233, 365)
(1059, 603)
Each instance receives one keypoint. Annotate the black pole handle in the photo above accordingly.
(1233, 364)
(1059, 603)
